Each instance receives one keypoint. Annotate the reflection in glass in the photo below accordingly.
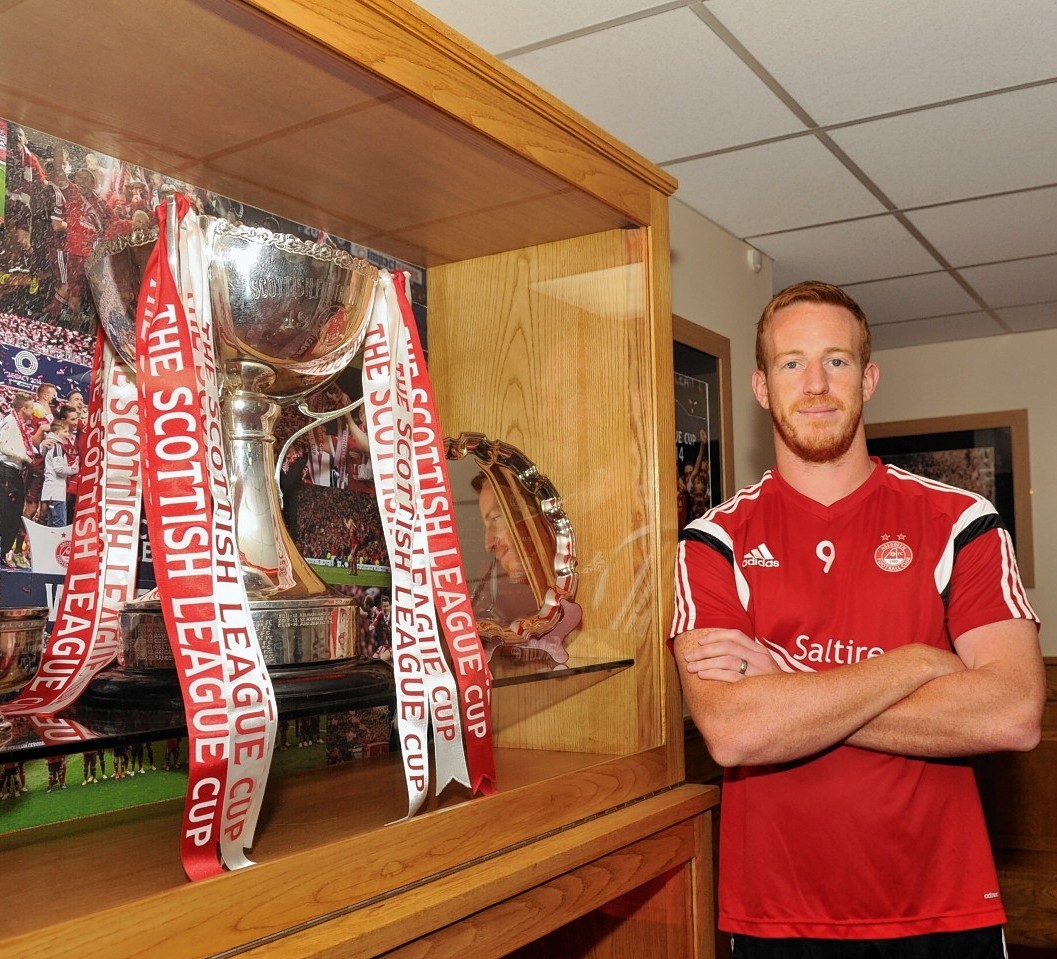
(517, 546)
(21, 644)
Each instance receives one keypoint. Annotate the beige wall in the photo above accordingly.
(712, 285)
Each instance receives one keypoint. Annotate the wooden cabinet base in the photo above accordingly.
(640, 877)
(314, 900)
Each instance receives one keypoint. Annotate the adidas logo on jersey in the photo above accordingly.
(760, 556)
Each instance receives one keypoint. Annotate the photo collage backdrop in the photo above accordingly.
(57, 201)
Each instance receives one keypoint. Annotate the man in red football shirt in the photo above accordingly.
(845, 633)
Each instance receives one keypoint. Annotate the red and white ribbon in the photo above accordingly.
(57, 731)
(451, 592)
(228, 698)
(404, 445)
(101, 577)
(161, 432)
(251, 697)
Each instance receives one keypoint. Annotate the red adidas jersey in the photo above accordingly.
(851, 843)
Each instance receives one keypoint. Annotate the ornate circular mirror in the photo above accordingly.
(517, 546)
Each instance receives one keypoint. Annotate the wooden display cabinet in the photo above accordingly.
(546, 246)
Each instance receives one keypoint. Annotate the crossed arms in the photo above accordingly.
(915, 700)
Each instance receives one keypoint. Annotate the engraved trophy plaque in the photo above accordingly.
(288, 316)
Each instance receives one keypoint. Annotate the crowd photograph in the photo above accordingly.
(58, 202)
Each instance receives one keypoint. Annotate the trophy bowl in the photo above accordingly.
(288, 316)
(21, 643)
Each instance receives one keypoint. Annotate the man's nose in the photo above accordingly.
(815, 380)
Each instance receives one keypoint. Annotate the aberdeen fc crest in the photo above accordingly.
(62, 552)
(893, 555)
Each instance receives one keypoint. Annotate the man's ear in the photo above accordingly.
(870, 376)
(759, 388)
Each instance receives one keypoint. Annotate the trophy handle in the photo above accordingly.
(317, 419)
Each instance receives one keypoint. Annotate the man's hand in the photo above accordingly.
(720, 654)
(994, 704)
(779, 716)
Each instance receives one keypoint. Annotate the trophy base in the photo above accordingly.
(302, 690)
(291, 632)
(310, 647)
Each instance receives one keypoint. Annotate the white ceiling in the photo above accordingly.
(906, 149)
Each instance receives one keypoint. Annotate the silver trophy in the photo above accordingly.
(21, 643)
(288, 316)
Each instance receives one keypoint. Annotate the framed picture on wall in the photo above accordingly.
(986, 453)
(704, 458)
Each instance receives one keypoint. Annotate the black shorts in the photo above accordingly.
(986, 943)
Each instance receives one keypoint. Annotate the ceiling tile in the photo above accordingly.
(1015, 283)
(940, 329)
(842, 253)
(1024, 319)
(992, 229)
(775, 186)
(665, 85)
(910, 297)
(909, 157)
(845, 59)
(501, 25)
(908, 90)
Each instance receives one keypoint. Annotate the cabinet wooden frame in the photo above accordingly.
(371, 120)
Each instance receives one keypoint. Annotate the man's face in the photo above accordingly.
(76, 400)
(498, 538)
(85, 181)
(814, 385)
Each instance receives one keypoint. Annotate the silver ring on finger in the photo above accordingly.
(743, 668)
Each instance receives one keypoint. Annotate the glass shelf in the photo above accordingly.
(99, 721)
(534, 665)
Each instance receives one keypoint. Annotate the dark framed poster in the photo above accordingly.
(704, 459)
(985, 453)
